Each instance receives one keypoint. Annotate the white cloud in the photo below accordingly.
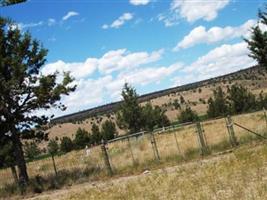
(192, 11)
(121, 59)
(69, 15)
(221, 60)
(195, 10)
(51, 22)
(215, 34)
(139, 2)
(77, 69)
(29, 25)
(120, 21)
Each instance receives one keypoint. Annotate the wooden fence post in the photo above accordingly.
(202, 142)
(54, 164)
(265, 116)
(130, 147)
(106, 158)
(154, 146)
(230, 128)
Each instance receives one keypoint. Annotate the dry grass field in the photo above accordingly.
(238, 175)
(88, 168)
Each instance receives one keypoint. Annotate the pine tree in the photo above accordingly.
(108, 130)
(24, 90)
(257, 44)
(217, 106)
(129, 116)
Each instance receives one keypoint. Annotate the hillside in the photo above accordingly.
(195, 94)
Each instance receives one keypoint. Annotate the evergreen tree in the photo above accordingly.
(129, 116)
(240, 99)
(257, 44)
(187, 115)
(96, 135)
(24, 90)
(66, 144)
(154, 117)
(81, 138)
(217, 106)
(108, 130)
(31, 150)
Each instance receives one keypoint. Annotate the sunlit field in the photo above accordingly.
(174, 146)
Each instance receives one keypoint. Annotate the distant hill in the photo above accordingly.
(108, 108)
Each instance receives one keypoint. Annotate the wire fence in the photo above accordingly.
(173, 143)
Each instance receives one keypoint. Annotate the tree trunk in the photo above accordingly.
(22, 168)
(14, 173)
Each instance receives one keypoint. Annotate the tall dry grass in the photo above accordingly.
(143, 155)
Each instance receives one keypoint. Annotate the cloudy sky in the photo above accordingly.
(152, 44)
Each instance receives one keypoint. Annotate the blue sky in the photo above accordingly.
(153, 44)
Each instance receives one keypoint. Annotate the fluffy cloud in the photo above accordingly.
(221, 60)
(215, 34)
(192, 11)
(195, 10)
(120, 21)
(76, 69)
(121, 59)
(139, 2)
(69, 15)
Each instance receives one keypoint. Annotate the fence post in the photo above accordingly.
(154, 146)
(130, 147)
(106, 158)
(177, 145)
(265, 116)
(54, 164)
(202, 142)
(230, 128)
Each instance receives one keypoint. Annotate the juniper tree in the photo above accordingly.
(129, 116)
(257, 44)
(108, 130)
(24, 90)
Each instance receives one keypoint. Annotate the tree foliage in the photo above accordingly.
(154, 117)
(257, 44)
(53, 147)
(31, 150)
(187, 115)
(24, 90)
(10, 2)
(108, 130)
(217, 106)
(66, 144)
(81, 138)
(129, 116)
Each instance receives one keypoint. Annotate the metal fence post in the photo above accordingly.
(202, 142)
(230, 128)
(177, 145)
(130, 147)
(154, 146)
(106, 158)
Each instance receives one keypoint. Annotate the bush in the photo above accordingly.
(81, 138)
(188, 115)
(66, 144)
(31, 150)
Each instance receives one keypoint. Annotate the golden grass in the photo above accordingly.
(239, 175)
(120, 155)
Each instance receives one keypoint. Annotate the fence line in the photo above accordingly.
(183, 141)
